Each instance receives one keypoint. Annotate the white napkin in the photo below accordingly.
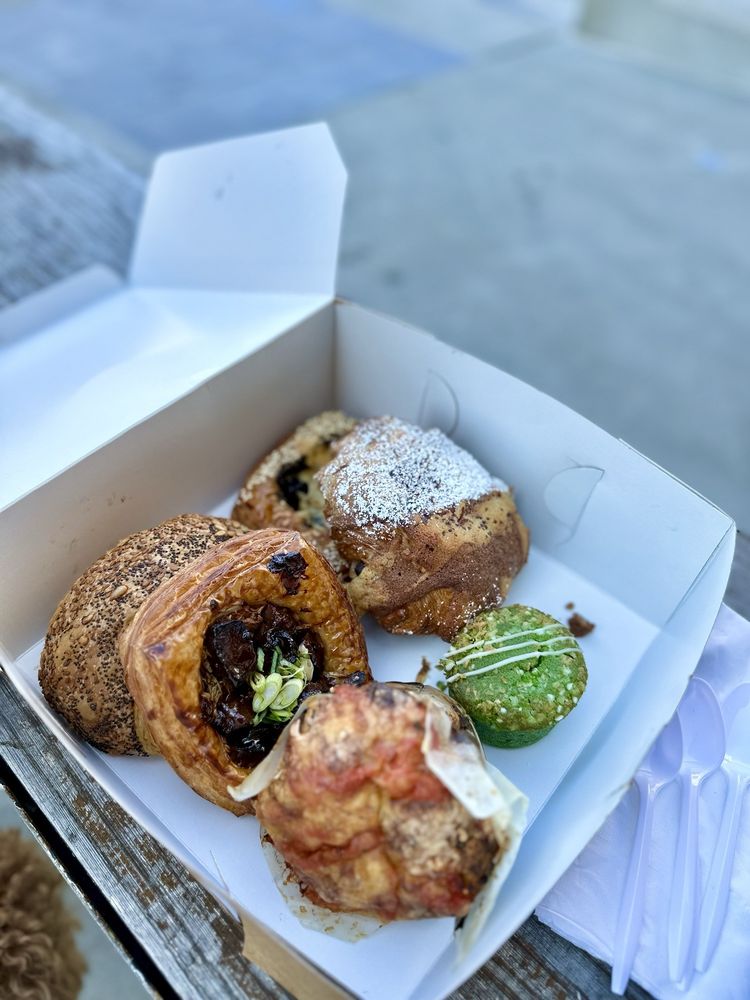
(583, 906)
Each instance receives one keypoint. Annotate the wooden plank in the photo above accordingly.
(66, 204)
(536, 964)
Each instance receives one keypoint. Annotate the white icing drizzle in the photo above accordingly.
(488, 650)
(513, 659)
(513, 635)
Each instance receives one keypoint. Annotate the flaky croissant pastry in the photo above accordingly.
(218, 658)
(281, 491)
(80, 671)
(431, 537)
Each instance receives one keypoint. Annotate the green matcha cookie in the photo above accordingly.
(517, 672)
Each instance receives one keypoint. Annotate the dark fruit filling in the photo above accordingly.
(352, 570)
(289, 482)
(229, 645)
(357, 679)
(326, 682)
(290, 568)
(256, 665)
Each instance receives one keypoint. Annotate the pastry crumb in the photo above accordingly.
(423, 671)
(569, 606)
(580, 626)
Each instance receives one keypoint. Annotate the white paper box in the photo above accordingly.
(225, 337)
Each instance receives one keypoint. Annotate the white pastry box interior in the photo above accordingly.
(127, 402)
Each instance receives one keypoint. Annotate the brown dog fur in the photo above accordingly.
(38, 956)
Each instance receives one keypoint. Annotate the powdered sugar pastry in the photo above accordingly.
(388, 472)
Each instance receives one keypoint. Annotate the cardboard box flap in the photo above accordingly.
(259, 214)
(80, 382)
(50, 304)
(237, 244)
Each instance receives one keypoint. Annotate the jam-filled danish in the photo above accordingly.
(220, 656)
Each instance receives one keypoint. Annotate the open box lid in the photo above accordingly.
(237, 242)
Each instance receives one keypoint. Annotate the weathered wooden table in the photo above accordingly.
(64, 204)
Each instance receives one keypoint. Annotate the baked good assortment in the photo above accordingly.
(432, 536)
(233, 648)
(218, 657)
(517, 672)
(80, 672)
(358, 804)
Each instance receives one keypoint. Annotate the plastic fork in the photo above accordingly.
(660, 767)
(736, 768)
(703, 751)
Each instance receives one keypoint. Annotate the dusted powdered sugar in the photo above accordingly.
(388, 472)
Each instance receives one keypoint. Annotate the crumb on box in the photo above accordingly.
(423, 671)
(569, 606)
(580, 626)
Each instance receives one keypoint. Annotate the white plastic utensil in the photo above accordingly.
(659, 768)
(703, 751)
(736, 768)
